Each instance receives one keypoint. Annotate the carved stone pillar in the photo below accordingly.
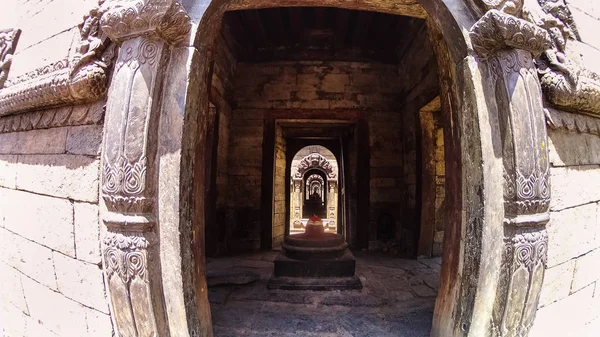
(143, 31)
(332, 204)
(506, 44)
(297, 200)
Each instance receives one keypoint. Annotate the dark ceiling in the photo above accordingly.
(318, 33)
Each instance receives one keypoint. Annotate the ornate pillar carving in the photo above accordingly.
(297, 202)
(332, 203)
(506, 44)
(143, 30)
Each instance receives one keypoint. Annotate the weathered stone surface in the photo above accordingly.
(557, 283)
(12, 288)
(43, 20)
(31, 259)
(13, 322)
(56, 312)
(586, 270)
(80, 281)
(98, 323)
(551, 320)
(45, 220)
(85, 140)
(8, 172)
(48, 141)
(567, 183)
(35, 328)
(571, 233)
(87, 232)
(571, 148)
(65, 176)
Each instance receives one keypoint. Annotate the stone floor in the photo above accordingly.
(397, 299)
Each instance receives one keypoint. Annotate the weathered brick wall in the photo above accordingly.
(50, 266)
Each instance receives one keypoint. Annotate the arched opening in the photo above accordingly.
(332, 94)
(159, 219)
(313, 188)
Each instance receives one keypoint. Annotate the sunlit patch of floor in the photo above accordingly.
(397, 299)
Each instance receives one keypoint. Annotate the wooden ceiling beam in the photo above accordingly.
(361, 30)
(275, 27)
(296, 21)
(254, 23)
(341, 28)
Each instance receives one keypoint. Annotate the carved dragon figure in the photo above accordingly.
(565, 83)
(8, 40)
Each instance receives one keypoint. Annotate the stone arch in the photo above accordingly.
(158, 227)
(306, 160)
(315, 161)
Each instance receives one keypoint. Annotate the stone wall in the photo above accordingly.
(317, 85)
(48, 32)
(440, 186)
(51, 267)
(279, 211)
(570, 298)
(571, 290)
(245, 179)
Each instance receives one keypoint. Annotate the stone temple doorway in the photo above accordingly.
(180, 66)
(318, 113)
(314, 188)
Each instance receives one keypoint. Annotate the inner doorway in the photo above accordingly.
(288, 79)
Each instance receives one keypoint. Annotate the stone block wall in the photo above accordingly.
(571, 289)
(317, 85)
(244, 179)
(279, 210)
(50, 266)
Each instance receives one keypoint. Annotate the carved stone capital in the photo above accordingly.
(497, 31)
(8, 43)
(127, 19)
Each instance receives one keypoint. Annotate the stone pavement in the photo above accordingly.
(397, 299)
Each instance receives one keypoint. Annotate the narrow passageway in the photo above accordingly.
(397, 299)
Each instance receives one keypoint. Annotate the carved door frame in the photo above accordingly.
(153, 164)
